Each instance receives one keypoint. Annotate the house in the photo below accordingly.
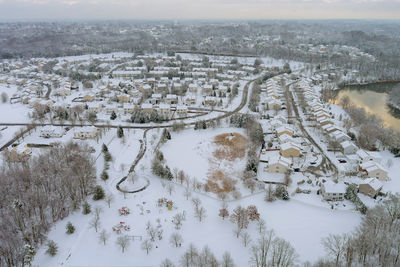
(95, 107)
(284, 130)
(374, 169)
(278, 165)
(125, 98)
(89, 132)
(210, 101)
(51, 131)
(171, 99)
(348, 147)
(88, 98)
(368, 156)
(155, 99)
(284, 138)
(333, 192)
(147, 107)
(128, 108)
(110, 108)
(193, 88)
(190, 100)
(182, 111)
(290, 150)
(340, 137)
(164, 109)
(370, 187)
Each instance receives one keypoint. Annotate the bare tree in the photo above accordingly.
(245, 238)
(283, 254)
(227, 260)
(176, 240)
(167, 263)
(152, 232)
(123, 242)
(260, 251)
(196, 203)
(170, 188)
(240, 217)
(147, 245)
(103, 236)
(95, 222)
(177, 220)
(187, 193)
(200, 213)
(261, 226)
(109, 199)
(335, 246)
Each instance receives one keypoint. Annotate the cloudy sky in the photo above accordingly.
(198, 9)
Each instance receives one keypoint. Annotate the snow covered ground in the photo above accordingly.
(301, 223)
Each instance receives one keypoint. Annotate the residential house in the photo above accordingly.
(88, 132)
(284, 130)
(348, 147)
(332, 191)
(374, 169)
(370, 187)
(278, 165)
(182, 111)
(52, 132)
(147, 107)
(290, 150)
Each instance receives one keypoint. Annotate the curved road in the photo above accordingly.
(143, 143)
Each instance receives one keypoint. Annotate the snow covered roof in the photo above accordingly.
(289, 145)
(331, 187)
(279, 160)
(146, 106)
(374, 183)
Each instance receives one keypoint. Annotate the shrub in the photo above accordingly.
(52, 248)
(86, 209)
(281, 192)
(98, 193)
(70, 228)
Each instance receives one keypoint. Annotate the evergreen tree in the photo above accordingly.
(52, 248)
(86, 209)
(120, 132)
(98, 193)
(70, 228)
(29, 254)
(104, 175)
(113, 116)
(104, 148)
(281, 192)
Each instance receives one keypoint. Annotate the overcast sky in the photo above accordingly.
(198, 9)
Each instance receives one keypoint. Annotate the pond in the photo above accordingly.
(372, 98)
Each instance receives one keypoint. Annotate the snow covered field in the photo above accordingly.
(300, 223)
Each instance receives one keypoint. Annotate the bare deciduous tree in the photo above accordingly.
(103, 236)
(123, 242)
(176, 240)
(147, 245)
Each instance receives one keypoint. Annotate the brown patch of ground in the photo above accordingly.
(218, 182)
(230, 146)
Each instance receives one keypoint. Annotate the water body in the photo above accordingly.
(372, 98)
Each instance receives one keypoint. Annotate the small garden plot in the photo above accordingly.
(215, 157)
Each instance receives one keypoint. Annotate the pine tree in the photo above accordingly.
(120, 132)
(104, 148)
(52, 248)
(104, 175)
(98, 193)
(70, 228)
(86, 209)
(29, 254)
(113, 116)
